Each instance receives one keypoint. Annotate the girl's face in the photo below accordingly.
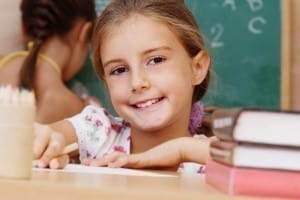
(149, 75)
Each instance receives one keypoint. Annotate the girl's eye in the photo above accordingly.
(119, 71)
(156, 60)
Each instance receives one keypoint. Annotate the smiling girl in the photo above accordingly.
(151, 56)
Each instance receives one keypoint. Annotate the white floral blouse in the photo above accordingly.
(100, 133)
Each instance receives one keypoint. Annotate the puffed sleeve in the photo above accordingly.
(98, 132)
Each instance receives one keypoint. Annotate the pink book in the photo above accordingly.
(253, 181)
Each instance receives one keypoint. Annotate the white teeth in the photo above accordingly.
(147, 103)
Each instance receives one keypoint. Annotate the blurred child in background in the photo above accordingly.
(58, 33)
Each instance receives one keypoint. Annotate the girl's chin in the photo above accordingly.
(149, 127)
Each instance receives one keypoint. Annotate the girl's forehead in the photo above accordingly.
(133, 23)
(136, 27)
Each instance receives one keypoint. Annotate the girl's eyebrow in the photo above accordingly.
(111, 61)
(156, 49)
(148, 51)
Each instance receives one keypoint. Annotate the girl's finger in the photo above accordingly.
(54, 148)
(121, 161)
(59, 162)
(136, 161)
(105, 160)
(97, 162)
(42, 137)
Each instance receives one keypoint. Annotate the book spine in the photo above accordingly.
(223, 123)
(222, 151)
(255, 155)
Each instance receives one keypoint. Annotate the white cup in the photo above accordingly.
(16, 140)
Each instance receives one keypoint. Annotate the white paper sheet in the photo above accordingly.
(76, 168)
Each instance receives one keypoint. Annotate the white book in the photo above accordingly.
(256, 155)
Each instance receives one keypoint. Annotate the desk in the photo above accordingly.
(58, 185)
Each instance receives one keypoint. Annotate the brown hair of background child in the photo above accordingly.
(42, 19)
(173, 13)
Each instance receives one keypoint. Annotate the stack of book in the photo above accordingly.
(257, 152)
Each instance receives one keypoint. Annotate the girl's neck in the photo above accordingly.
(142, 141)
(57, 50)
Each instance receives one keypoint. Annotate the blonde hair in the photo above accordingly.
(173, 13)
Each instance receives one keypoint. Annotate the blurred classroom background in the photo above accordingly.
(253, 43)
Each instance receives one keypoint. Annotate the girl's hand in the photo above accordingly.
(115, 159)
(166, 155)
(48, 146)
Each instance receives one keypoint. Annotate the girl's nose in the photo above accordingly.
(140, 81)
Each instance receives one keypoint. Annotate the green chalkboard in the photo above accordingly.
(243, 37)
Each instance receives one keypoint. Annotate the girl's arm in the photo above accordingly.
(167, 155)
(50, 141)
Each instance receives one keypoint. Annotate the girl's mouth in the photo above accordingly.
(148, 103)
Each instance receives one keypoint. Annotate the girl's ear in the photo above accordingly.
(85, 32)
(80, 33)
(200, 66)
